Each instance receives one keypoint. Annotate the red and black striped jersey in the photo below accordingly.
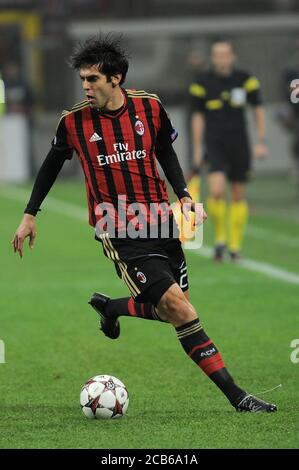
(117, 150)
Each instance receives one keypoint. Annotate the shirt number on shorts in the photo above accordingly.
(183, 277)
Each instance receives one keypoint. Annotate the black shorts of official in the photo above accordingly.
(147, 266)
(229, 154)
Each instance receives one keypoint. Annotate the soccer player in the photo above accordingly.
(118, 134)
(218, 99)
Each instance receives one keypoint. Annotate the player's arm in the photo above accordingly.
(261, 148)
(45, 179)
(197, 95)
(197, 131)
(169, 162)
(252, 87)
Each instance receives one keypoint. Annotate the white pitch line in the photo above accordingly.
(51, 203)
(256, 266)
(76, 212)
(272, 236)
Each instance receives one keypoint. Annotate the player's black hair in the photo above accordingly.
(105, 52)
(220, 39)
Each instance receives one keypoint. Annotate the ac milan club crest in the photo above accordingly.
(139, 127)
(141, 277)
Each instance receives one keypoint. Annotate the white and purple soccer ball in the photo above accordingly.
(104, 397)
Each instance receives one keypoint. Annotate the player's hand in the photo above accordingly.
(26, 228)
(188, 205)
(261, 151)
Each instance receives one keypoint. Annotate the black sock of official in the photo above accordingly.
(204, 353)
(129, 308)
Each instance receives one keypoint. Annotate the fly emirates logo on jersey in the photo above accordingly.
(121, 154)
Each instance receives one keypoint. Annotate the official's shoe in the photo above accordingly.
(235, 256)
(219, 252)
(109, 324)
(252, 404)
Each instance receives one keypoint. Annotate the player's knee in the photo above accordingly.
(176, 307)
(237, 197)
(238, 192)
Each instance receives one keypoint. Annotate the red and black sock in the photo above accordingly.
(204, 353)
(129, 308)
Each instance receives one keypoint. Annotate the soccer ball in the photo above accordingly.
(104, 397)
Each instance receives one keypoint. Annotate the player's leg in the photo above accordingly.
(217, 210)
(125, 307)
(201, 349)
(237, 219)
(175, 306)
(197, 345)
(238, 211)
(216, 204)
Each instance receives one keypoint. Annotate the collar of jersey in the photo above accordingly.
(120, 111)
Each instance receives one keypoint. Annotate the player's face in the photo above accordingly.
(97, 89)
(222, 57)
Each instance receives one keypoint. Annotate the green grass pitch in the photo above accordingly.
(53, 345)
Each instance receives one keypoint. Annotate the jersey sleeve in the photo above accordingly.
(166, 133)
(252, 87)
(62, 142)
(197, 95)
